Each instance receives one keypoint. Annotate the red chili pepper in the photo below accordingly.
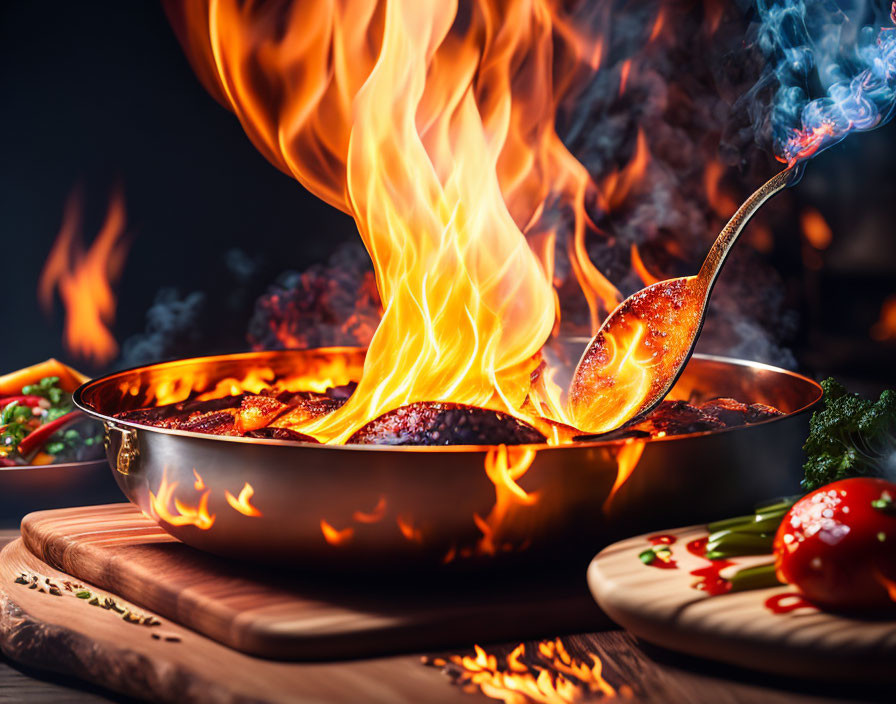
(36, 440)
(32, 401)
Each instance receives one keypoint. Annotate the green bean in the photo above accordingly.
(730, 544)
(784, 503)
(755, 578)
(730, 523)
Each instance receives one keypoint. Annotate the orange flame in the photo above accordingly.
(186, 515)
(885, 327)
(815, 229)
(623, 75)
(658, 23)
(617, 186)
(504, 466)
(722, 203)
(640, 269)
(627, 458)
(334, 536)
(373, 516)
(406, 526)
(85, 280)
(547, 674)
(434, 129)
(241, 503)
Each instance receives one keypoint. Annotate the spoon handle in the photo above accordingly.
(712, 265)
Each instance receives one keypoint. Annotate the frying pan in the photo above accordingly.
(351, 506)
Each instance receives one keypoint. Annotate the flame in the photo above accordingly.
(658, 23)
(198, 485)
(186, 515)
(241, 503)
(623, 75)
(617, 185)
(318, 374)
(334, 536)
(815, 228)
(373, 516)
(627, 458)
(885, 327)
(640, 269)
(406, 526)
(86, 279)
(434, 128)
(545, 674)
(504, 466)
(722, 203)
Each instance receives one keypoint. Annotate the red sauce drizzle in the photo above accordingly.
(709, 578)
(658, 562)
(795, 601)
(662, 539)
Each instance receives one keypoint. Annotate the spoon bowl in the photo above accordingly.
(641, 348)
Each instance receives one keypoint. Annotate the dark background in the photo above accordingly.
(98, 94)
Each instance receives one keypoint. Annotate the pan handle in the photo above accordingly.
(128, 452)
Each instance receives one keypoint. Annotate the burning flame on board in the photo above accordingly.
(434, 128)
(85, 279)
(545, 673)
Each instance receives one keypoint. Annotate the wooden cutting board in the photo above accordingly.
(169, 663)
(745, 628)
(300, 616)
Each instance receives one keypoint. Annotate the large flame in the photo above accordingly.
(85, 280)
(432, 124)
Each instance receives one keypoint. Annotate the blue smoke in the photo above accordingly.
(835, 68)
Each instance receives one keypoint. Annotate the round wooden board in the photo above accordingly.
(662, 607)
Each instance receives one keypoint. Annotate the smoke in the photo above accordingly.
(328, 304)
(686, 68)
(172, 326)
(832, 69)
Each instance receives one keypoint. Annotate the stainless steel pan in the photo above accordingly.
(352, 506)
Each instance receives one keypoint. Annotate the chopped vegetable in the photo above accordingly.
(747, 535)
(851, 436)
(39, 423)
(837, 545)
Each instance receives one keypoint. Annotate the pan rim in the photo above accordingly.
(78, 398)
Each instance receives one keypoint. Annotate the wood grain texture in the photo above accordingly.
(68, 635)
(662, 607)
(298, 616)
(653, 678)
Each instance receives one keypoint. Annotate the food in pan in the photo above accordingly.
(38, 422)
(275, 414)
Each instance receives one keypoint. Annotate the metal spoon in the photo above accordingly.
(641, 348)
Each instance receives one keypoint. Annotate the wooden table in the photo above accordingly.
(653, 675)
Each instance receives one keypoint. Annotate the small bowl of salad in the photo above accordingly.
(39, 424)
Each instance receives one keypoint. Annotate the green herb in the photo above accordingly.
(47, 388)
(648, 556)
(850, 437)
(83, 594)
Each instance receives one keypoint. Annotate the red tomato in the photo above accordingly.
(837, 545)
